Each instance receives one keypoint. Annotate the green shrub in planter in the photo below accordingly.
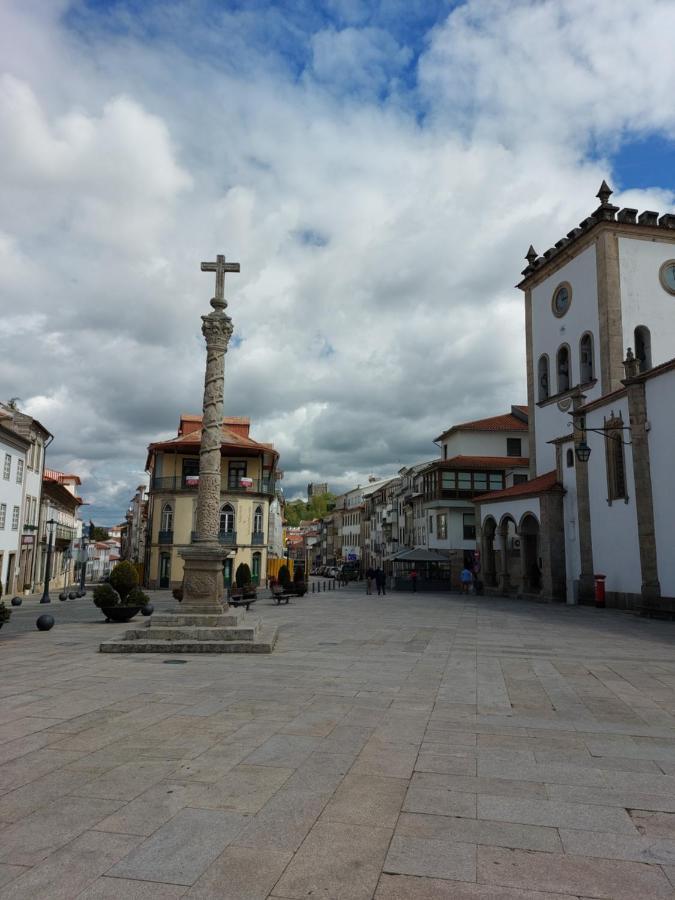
(5, 614)
(284, 576)
(136, 597)
(106, 596)
(124, 578)
(243, 576)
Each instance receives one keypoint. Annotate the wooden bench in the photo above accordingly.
(240, 597)
(280, 594)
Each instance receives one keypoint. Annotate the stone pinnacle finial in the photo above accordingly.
(631, 365)
(531, 255)
(604, 193)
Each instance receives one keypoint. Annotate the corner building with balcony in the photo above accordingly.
(248, 484)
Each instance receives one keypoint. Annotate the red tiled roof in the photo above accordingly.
(484, 462)
(540, 485)
(505, 422)
(234, 431)
(60, 477)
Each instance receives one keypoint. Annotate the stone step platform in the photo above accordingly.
(233, 631)
(186, 633)
(264, 642)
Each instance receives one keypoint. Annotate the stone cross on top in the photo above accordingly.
(220, 267)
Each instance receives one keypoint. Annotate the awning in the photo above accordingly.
(420, 554)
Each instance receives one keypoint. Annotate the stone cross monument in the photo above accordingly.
(205, 623)
(203, 588)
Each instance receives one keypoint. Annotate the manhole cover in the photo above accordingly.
(174, 662)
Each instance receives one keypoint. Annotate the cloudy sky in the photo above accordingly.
(378, 171)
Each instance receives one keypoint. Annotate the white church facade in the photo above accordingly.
(600, 342)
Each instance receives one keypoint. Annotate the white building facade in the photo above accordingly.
(600, 499)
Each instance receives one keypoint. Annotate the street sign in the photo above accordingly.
(352, 557)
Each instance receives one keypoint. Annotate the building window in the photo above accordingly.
(496, 481)
(570, 459)
(8, 467)
(227, 519)
(3, 515)
(543, 381)
(616, 468)
(19, 471)
(586, 358)
(190, 473)
(469, 526)
(255, 568)
(258, 520)
(431, 524)
(513, 447)
(464, 481)
(15, 518)
(643, 347)
(480, 481)
(519, 479)
(448, 481)
(167, 517)
(442, 526)
(563, 368)
(445, 451)
(236, 471)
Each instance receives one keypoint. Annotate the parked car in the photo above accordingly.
(349, 572)
(333, 572)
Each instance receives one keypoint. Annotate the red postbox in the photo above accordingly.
(600, 591)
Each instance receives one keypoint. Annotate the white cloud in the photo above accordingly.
(375, 303)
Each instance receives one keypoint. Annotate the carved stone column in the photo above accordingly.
(203, 588)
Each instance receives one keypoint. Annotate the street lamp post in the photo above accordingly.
(83, 562)
(48, 569)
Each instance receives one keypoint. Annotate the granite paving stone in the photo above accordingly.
(555, 813)
(366, 800)
(180, 851)
(241, 873)
(435, 732)
(68, 871)
(336, 860)
(404, 887)
(30, 840)
(578, 875)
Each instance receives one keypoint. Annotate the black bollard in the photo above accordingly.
(318, 587)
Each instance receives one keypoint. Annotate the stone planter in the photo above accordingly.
(120, 613)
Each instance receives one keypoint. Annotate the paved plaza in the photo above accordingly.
(407, 747)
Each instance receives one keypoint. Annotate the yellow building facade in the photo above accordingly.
(248, 481)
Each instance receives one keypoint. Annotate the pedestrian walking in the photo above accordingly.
(466, 577)
(370, 575)
(380, 581)
(413, 580)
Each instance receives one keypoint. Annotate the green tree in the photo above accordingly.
(315, 508)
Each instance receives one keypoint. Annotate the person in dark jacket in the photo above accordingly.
(370, 575)
(380, 581)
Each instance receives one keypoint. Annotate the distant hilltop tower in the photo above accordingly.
(315, 490)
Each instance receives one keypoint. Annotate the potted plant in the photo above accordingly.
(243, 580)
(299, 585)
(5, 614)
(120, 598)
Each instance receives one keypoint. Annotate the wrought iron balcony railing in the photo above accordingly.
(229, 538)
(257, 539)
(228, 485)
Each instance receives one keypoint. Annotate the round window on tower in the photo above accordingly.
(667, 276)
(562, 297)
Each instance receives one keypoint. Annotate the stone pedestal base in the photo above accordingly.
(203, 588)
(230, 632)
